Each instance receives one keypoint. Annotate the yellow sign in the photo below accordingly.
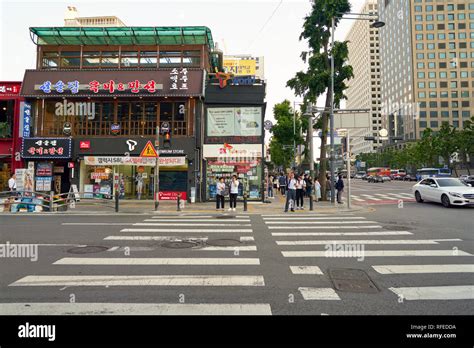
(148, 150)
(240, 67)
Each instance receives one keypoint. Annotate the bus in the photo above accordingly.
(378, 171)
(424, 173)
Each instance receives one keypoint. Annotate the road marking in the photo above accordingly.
(198, 216)
(97, 224)
(320, 218)
(141, 280)
(291, 234)
(305, 270)
(405, 269)
(370, 197)
(134, 261)
(318, 293)
(167, 230)
(324, 227)
(382, 253)
(356, 198)
(158, 238)
(454, 292)
(302, 215)
(247, 239)
(318, 222)
(185, 224)
(134, 308)
(229, 248)
(366, 241)
(195, 220)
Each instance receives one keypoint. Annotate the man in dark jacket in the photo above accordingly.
(340, 189)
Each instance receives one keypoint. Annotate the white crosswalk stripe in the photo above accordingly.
(186, 270)
(306, 239)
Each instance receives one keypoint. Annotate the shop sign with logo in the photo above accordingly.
(134, 161)
(26, 119)
(171, 195)
(95, 86)
(46, 148)
(115, 128)
(179, 79)
(9, 88)
(226, 79)
(85, 144)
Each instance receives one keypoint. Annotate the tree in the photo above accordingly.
(464, 140)
(317, 79)
(283, 137)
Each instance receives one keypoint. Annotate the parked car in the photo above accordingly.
(375, 178)
(386, 178)
(409, 177)
(469, 179)
(365, 176)
(397, 174)
(448, 191)
(359, 175)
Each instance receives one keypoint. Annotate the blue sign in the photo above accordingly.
(60, 86)
(26, 119)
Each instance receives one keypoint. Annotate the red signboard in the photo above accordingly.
(70, 165)
(84, 144)
(9, 88)
(171, 195)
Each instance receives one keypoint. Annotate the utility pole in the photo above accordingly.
(157, 168)
(331, 153)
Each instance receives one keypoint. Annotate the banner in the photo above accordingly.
(242, 121)
(134, 161)
(240, 67)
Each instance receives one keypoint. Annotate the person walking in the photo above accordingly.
(291, 193)
(12, 185)
(300, 189)
(282, 181)
(340, 189)
(220, 194)
(234, 191)
(270, 186)
(317, 189)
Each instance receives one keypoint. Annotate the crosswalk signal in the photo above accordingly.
(167, 140)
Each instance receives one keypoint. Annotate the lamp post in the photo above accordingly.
(376, 24)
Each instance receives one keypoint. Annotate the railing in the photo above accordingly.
(125, 128)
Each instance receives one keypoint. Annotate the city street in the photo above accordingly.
(385, 259)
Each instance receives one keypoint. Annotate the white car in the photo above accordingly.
(448, 191)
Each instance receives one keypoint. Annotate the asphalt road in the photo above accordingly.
(396, 259)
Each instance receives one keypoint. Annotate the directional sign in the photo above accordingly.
(268, 125)
(148, 150)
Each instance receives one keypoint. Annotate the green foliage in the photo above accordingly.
(283, 136)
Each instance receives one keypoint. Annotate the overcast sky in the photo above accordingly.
(237, 25)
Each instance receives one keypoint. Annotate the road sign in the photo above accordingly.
(268, 125)
(148, 150)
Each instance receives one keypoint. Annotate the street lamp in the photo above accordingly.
(377, 24)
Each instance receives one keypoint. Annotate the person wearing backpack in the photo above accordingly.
(220, 194)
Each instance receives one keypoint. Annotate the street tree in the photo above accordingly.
(316, 80)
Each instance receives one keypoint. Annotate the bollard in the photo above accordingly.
(311, 199)
(51, 198)
(245, 201)
(179, 202)
(116, 202)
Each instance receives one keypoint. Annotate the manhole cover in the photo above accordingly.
(352, 280)
(225, 216)
(224, 242)
(89, 249)
(179, 245)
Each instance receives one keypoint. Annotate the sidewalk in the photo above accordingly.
(135, 207)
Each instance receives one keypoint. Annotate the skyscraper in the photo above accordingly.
(427, 64)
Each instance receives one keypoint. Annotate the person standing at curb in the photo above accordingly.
(234, 191)
(282, 181)
(270, 186)
(340, 189)
(300, 189)
(12, 185)
(309, 185)
(291, 193)
(317, 189)
(220, 194)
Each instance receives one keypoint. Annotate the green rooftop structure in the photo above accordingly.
(122, 36)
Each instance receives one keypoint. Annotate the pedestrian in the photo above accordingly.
(220, 194)
(328, 187)
(300, 189)
(291, 193)
(317, 189)
(340, 189)
(270, 186)
(276, 184)
(12, 185)
(234, 191)
(282, 181)
(309, 185)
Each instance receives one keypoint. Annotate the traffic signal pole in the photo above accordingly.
(157, 169)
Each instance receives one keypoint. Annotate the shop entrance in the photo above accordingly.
(135, 182)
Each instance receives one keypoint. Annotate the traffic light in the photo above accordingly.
(167, 140)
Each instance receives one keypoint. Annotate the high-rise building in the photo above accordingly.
(427, 61)
(364, 88)
(72, 19)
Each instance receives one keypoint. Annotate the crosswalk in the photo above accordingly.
(310, 241)
(206, 264)
(382, 198)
